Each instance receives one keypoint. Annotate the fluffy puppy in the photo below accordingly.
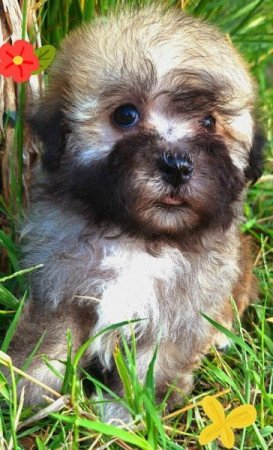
(149, 143)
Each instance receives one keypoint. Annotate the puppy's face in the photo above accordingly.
(149, 121)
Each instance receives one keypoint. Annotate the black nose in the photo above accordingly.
(176, 168)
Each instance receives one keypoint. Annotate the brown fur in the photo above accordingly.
(244, 292)
(101, 222)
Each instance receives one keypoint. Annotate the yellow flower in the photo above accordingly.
(222, 425)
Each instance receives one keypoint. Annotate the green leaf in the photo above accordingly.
(108, 430)
(267, 431)
(155, 424)
(87, 344)
(7, 242)
(69, 369)
(3, 387)
(30, 357)
(238, 340)
(111, 327)
(20, 273)
(7, 298)
(40, 444)
(45, 54)
(11, 330)
(150, 381)
(221, 375)
(124, 374)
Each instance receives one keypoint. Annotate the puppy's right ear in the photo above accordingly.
(47, 123)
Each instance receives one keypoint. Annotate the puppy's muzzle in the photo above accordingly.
(176, 168)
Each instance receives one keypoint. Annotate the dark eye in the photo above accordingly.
(208, 122)
(126, 116)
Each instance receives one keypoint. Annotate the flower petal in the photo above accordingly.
(242, 416)
(22, 73)
(209, 433)
(6, 52)
(33, 63)
(213, 409)
(23, 48)
(7, 69)
(227, 437)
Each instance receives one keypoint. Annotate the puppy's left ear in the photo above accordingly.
(256, 157)
(46, 122)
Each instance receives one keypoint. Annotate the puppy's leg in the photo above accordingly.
(37, 321)
(173, 369)
(244, 292)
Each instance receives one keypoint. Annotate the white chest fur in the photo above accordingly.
(168, 291)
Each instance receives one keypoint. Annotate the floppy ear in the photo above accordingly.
(256, 157)
(47, 123)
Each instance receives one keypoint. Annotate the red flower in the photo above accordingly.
(18, 61)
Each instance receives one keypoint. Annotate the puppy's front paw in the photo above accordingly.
(221, 342)
(113, 412)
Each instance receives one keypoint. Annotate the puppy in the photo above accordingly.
(149, 143)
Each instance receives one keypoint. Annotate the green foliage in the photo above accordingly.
(245, 369)
(46, 54)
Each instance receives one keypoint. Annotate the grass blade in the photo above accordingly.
(108, 430)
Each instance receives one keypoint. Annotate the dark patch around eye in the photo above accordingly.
(198, 92)
(193, 100)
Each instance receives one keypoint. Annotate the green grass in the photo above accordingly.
(244, 373)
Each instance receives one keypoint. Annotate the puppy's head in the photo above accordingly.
(148, 120)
